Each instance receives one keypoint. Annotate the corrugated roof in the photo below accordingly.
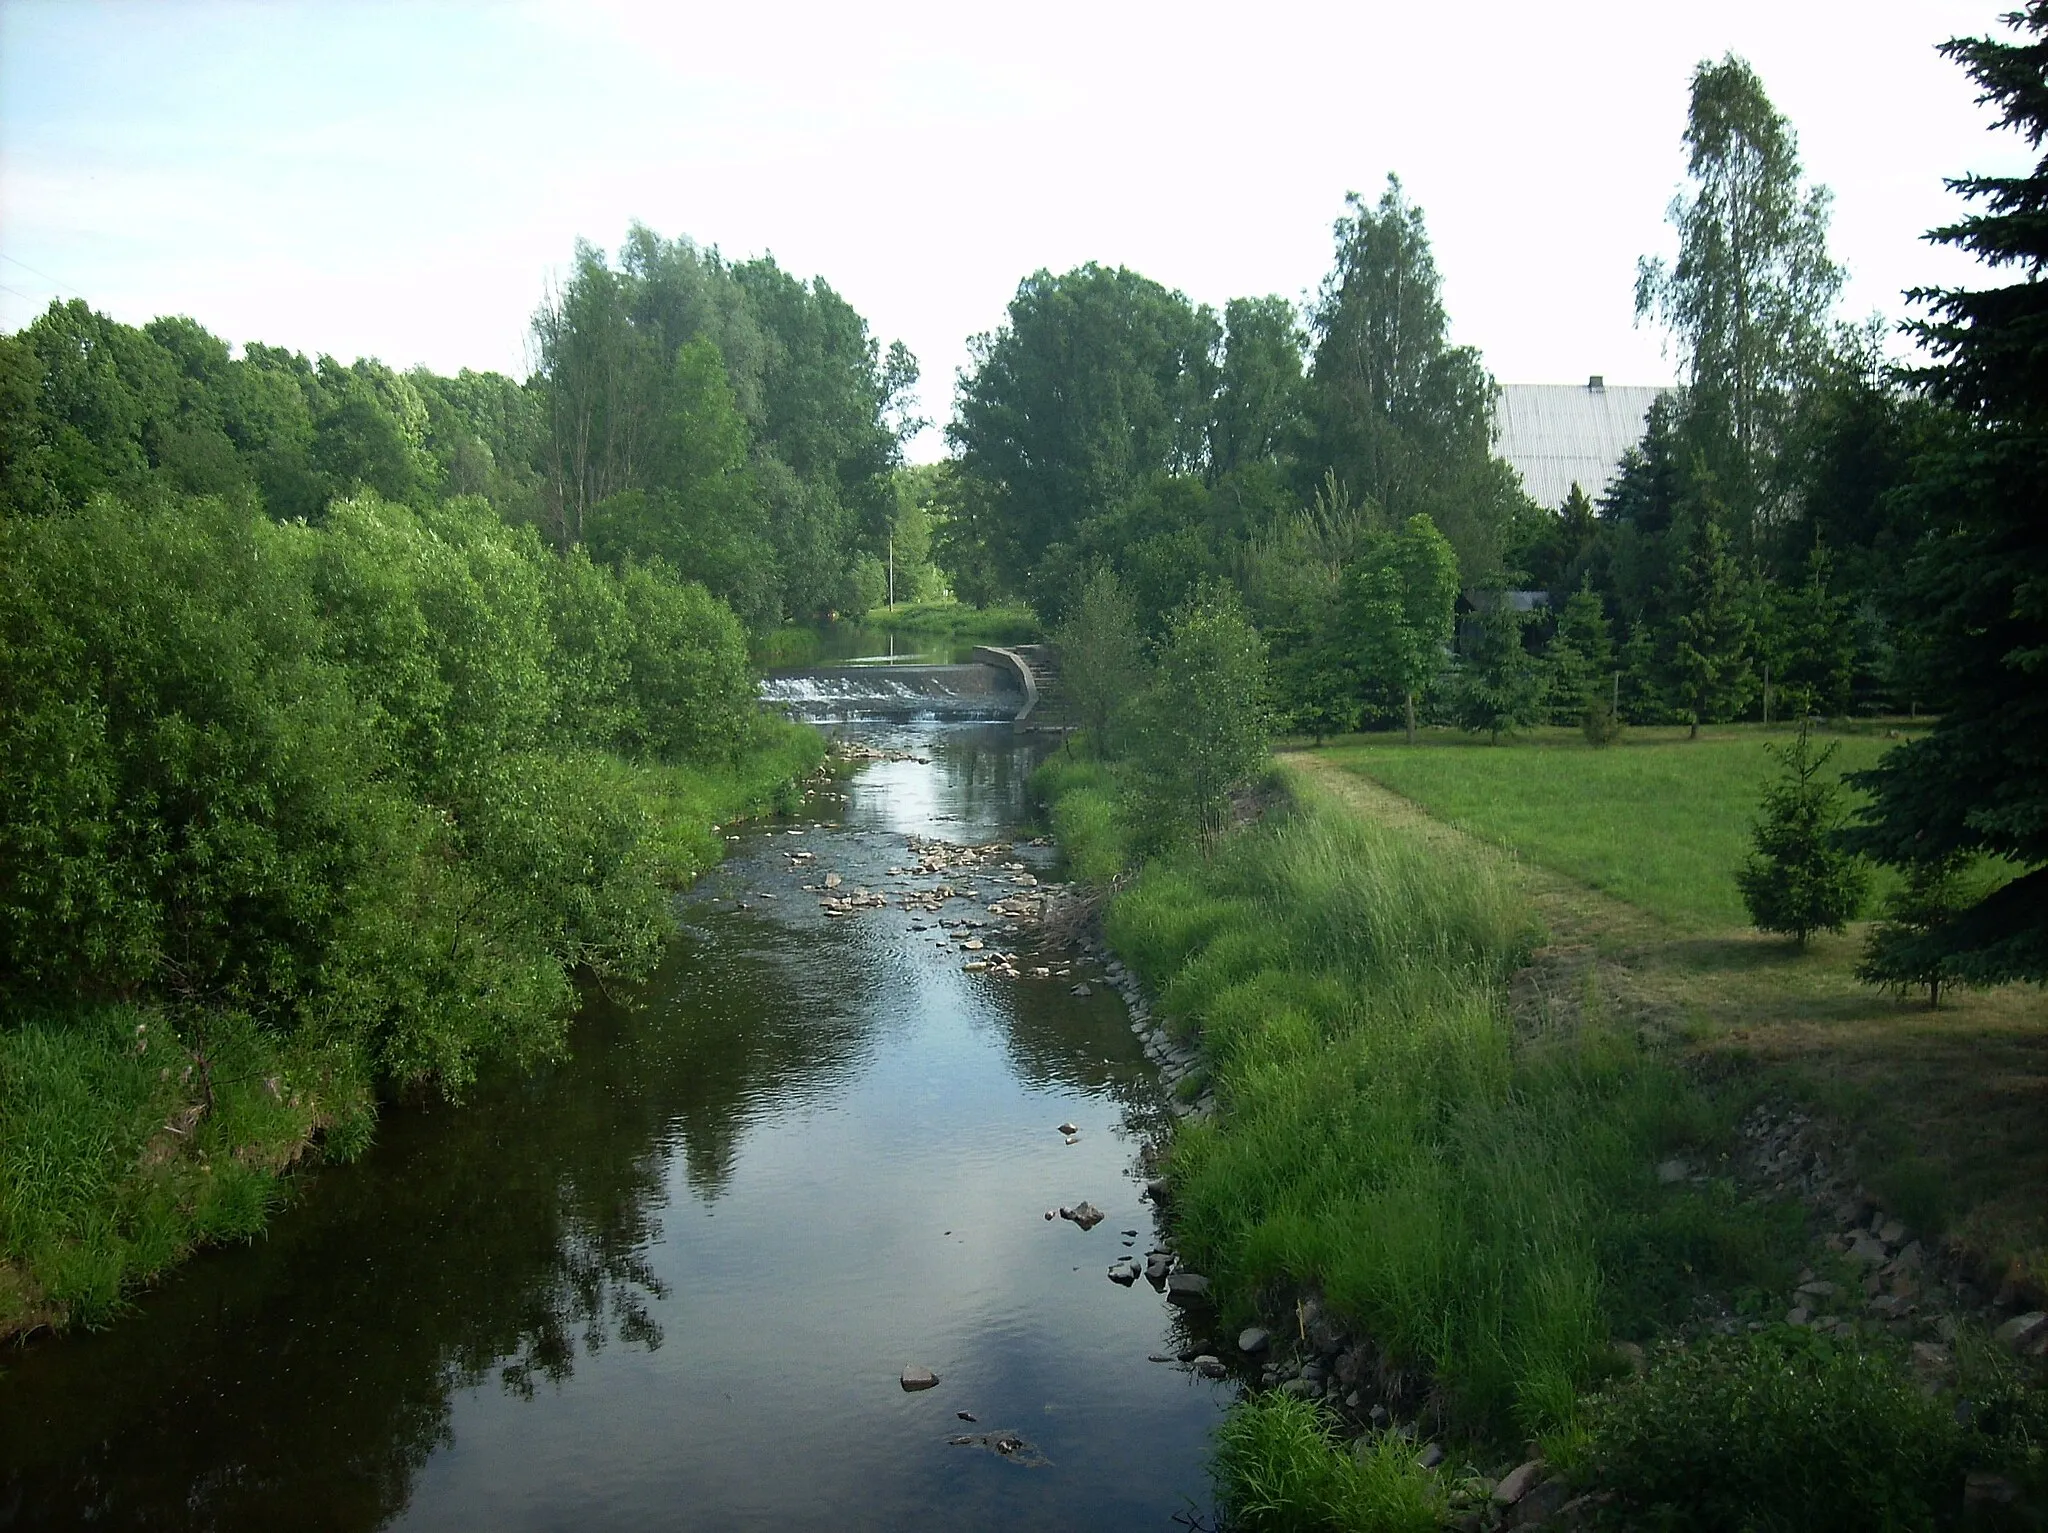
(1558, 434)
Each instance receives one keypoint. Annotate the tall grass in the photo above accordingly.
(1470, 1201)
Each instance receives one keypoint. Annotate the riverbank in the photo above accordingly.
(1456, 1218)
(130, 1137)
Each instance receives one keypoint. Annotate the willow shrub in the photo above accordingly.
(332, 807)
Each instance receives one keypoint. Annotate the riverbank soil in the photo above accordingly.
(1628, 855)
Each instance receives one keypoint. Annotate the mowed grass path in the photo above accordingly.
(1657, 820)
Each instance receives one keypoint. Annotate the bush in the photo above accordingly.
(1782, 1430)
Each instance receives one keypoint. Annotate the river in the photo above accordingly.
(671, 1282)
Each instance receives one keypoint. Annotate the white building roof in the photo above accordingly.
(1558, 434)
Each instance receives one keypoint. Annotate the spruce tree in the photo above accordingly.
(1707, 666)
(1580, 664)
(1810, 642)
(1909, 949)
(1976, 590)
(1499, 688)
(1799, 879)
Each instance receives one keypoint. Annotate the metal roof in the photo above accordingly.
(1558, 434)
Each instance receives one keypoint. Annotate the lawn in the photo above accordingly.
(1657, 820)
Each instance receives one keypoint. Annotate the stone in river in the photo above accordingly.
(1124, 1272)
(1083, 990)
(1253, 1339)
(1186, 1287)
(1157, 1265)
(1085, 1214)
(833, 880)
(1068, 1128)
(916, 1377)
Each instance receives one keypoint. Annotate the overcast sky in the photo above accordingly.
(402, 180)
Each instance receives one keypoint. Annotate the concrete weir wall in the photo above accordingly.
(1009, 660)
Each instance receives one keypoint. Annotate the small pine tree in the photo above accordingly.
(1709, 670)
(1799, 880)
(1905, 950)
(1581, 660)
(1811, 642)
(1499, 688)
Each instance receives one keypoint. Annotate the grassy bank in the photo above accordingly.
(1944, 1108)
(133, 1133)
(1468, 1181)
(995, 624)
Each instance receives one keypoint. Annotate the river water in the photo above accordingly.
(671, 1282)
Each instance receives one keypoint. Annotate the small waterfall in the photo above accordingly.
(895, 691)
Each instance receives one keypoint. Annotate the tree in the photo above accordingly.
(1909, 947)
(1707, 667)
(1399, 602)
(1799, 879)
(1976, 589)
(1205, 718)
(1099, 381)
(1258, 395)
(1102, 661)
(1499, 688)
(1399, 414)
(1809, 641)
(1581, 660)
(1749, 296)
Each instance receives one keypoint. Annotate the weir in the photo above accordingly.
(1019, 683)
(971, 691)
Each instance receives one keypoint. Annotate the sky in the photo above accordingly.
(403, 181)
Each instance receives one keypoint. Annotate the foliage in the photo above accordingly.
(1707, 658)
(1278, 1466)
(315, 810)
(1749, 296)
(1102, 662)
(1579, 661)
(1907, 949)
(1399, 414)
(1976, 589)
(1782, 1430)
(1203, 722)
(1498, 687)
(1098, 380)
(1399, 600)
(1809, 640)
(1799, 879)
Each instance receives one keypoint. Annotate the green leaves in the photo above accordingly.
(1800, 879)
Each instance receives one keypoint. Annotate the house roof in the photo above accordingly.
(1558, 434)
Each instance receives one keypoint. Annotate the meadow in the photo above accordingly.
(1656, 820)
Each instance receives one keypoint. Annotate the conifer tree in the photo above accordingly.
(1976, 594)
(1708, 669)
(1908, 949)
(1580, 659)
(1810, 642)
(1499, 688)
(1799, 879)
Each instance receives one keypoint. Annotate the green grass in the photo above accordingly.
(1657, 820)
(1481, 1207)
(994, 624)
(1282, 1470)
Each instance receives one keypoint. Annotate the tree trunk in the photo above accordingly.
(1411, 717)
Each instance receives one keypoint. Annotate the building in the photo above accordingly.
(1560, 434)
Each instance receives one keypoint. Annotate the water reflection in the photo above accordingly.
(669, 1281)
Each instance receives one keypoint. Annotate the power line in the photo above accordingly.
(62, 285)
